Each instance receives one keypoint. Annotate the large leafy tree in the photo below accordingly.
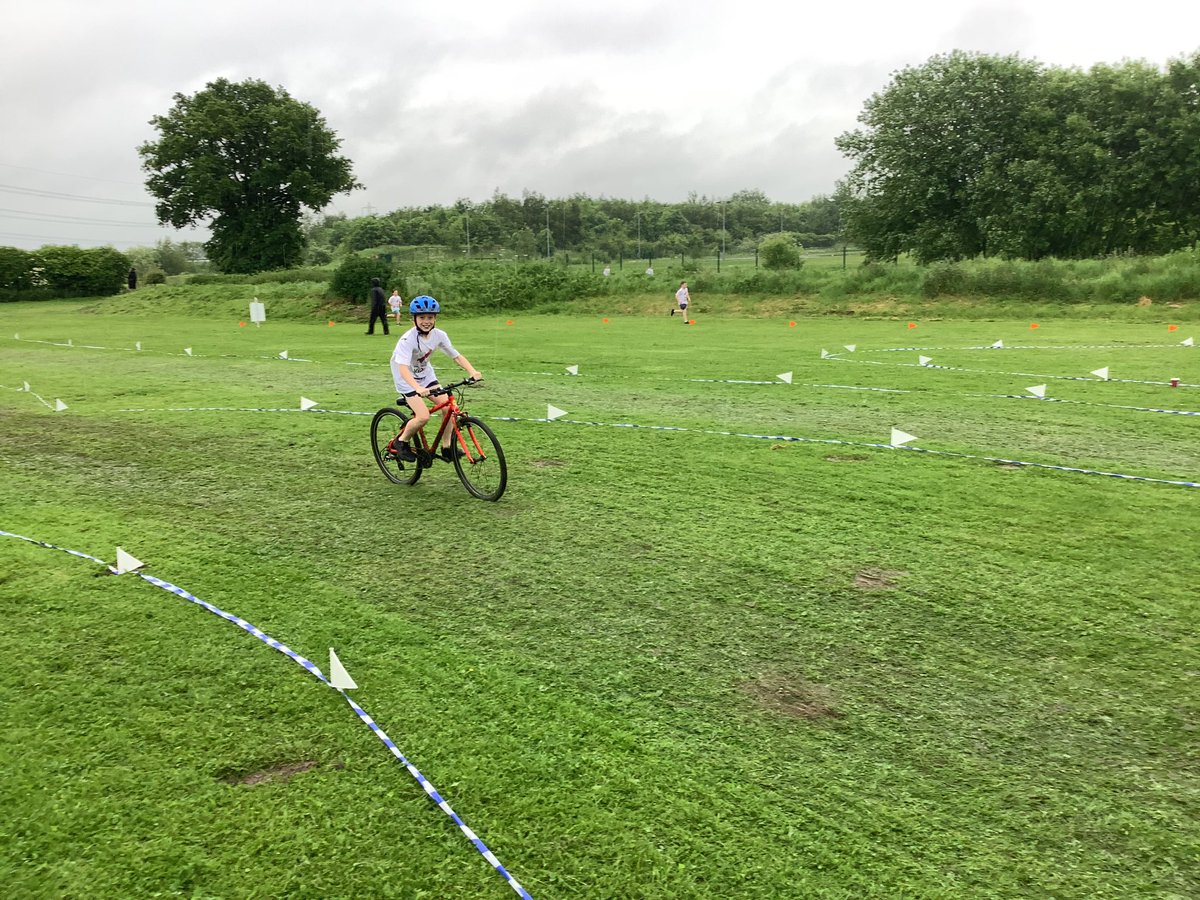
(249, 157)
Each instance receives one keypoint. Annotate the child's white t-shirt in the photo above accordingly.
(413, 350)
(394, 301)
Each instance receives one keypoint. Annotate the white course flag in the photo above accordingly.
(1100, 373)
(900, 438)
(306, 404)
(137, 345)
(1038, 390)
(187, 350)
(824, 354)
(59, 406)
(572, 370)
(338, 676)
(924, 360)
(283, 354)
(851, 347)
(785, 377)
(127, 563)
(26, 388)
(999, 345)
(258, 312)
(1188, 342)
(553, 412)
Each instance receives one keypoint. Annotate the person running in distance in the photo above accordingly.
(414, 376)
(683, 299)
(394, 302)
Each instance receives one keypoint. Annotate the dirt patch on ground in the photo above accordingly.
(282, 772)
(547, 463)
(873, 579)
(849, 457)
(793, 697)
(1009, 467)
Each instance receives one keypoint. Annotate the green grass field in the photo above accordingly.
(666, 664)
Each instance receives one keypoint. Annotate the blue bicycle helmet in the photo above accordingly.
(423, 304)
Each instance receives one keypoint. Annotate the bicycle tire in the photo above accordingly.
(486, 475)
(387, 424)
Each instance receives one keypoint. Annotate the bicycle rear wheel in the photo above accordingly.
(481, 469)
(386, 426)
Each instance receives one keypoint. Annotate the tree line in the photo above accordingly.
(981, 155)
(537, 226)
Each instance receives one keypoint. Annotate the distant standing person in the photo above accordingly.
(394, 302)
(132, 278)
(378, 307)
(683, 299)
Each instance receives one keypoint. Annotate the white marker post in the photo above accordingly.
(137, 345)
(999, 345)
(59, 406)
(127, 563)
(187, 350)
(851, 347)
(283, 354)
(1188, 342)
(1038, 390)
(26, 388)
(258, 312)
(553, 412)
(924, 360)
(1102, 374)
(900, 438)
(824, 354)
(572, 370)
(338, 676)
(785, 377)
(306, 404)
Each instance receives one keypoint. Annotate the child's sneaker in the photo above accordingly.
(448, 453)
(404, 452)
(672, 312)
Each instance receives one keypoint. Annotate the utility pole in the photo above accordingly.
(639, 231)
(467, 213)
(369, 209)
(547, 231)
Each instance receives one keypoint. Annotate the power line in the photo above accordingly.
(69, 175)
(77, 197)
(63, 240)
(73, 219)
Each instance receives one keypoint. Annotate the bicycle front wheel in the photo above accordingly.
(385, 427)
(481, 469)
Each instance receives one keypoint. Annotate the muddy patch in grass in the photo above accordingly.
(547, 463)
(848, 457)
(281, 772)
(792, 697)
(874, 579)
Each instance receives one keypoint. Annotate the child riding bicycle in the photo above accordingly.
(414, 376)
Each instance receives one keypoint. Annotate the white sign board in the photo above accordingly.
(258, 313)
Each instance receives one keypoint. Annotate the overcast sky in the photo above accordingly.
(439, 101)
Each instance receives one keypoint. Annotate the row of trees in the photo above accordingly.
(535, 225)
(62, 272)
(971, 155)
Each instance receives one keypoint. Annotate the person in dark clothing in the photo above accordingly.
(378, 307)
(132, 278)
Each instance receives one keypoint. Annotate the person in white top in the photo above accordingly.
(413, 373)
(394, 302)
(682, 298)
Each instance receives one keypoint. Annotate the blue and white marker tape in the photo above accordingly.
(313, 670)
(871, 362)
(787, 438)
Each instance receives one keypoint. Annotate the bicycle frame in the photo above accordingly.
(451, 412)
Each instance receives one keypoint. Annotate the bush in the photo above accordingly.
(352, 279)
(16, 269)
(66, 272)
(155, 276)
(780, 251)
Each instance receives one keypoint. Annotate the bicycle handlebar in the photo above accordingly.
(447, 388)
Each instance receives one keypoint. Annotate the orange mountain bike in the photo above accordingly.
(474, 450)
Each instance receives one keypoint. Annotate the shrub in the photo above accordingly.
(16, 269)
(352, 279)
(780, 251)
(72, 272)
